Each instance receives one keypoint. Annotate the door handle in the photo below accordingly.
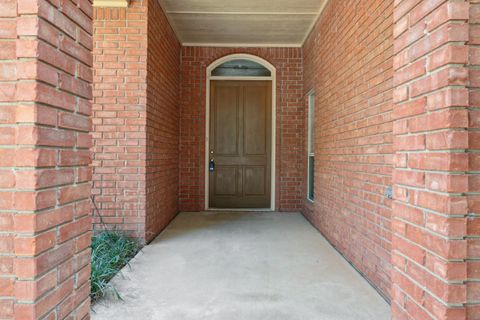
(211, 165)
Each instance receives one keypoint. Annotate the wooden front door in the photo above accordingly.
(240, 144)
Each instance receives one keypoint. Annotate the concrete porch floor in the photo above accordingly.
(220, 266)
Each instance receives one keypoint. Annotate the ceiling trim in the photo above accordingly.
(245, 13)
(242, 45)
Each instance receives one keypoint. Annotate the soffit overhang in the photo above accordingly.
(240, 23)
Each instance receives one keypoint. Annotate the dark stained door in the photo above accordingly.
(240, 144)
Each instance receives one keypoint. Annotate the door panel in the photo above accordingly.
(240, 144)
(254, 181)
(226, 180)
(227, 124)
(255, 121)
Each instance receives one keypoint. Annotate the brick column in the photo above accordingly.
(8, 20)
(473, 195)
(431, 138)
(120, 116)
(45, 76)
(136, 127)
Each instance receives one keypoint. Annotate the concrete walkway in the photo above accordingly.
(249, 266)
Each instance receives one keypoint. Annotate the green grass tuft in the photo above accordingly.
(111, 251)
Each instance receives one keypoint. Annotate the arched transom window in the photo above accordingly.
(241, 68)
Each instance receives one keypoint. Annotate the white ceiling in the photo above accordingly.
(242, 22)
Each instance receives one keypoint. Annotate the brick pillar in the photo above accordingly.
(431, 138)
(8, 15)
(120, 116)
(136, 127)
(473, 195)
(45, 76)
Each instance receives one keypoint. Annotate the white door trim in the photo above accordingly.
(273, 79)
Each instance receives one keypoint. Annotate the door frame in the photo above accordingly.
(273, 80)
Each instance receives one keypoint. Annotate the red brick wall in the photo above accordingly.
(436, 210)
(119, 116)
(135, 129)
(8, 81)
(163, 79)
(45, 76)
(473, 195)
(348, 62)
(290, 114)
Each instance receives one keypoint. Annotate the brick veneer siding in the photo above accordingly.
(163, 87)
(348, 61)
(435, 214)
(397, 103)
(8, 101)
(290, 114)
(45, 76)
(119, 116)
(473, 194)
(135, 129)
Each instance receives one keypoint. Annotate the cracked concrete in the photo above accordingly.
(229, 266)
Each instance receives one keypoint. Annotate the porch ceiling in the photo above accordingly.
(242, 22)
